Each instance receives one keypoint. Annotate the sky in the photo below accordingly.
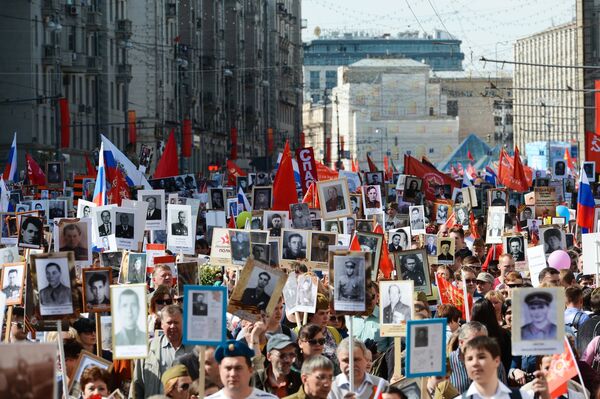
(487, 28)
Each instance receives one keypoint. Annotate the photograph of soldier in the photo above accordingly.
(274, 222)
(431, 244)
(179, 227)
(54, 173)
(136, 270)
(240, 245)
(560, 169)
(320, 242)
(350, 285)
(96, 284)
(412, 189)
(154, 211)
(260, 295)
(411, 268)
(417, 220)
(497, 198)
(199, 306)
(128, 315)
(300, 216)
(217, 200)
(294, 245)
(260, 252)
(73, 237)
(12, 283)
(394, 310)
(54, 286)
(372, 199)
(261, 198)
(335, 199)
(535, 315)
(125, 227)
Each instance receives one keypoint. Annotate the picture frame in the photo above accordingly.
(414, 265)
(155, 214)
(396, 307)
(590, 170)
(350, 292)
(462, 215)
(417, 220)
(375, 178)
(129, 325)
(9, 255)
(241, 182)
(55, 176)
(495, 227)
(552, 238)
(442, 209)
(261, 252)
(291, 248)
(136, 267)
(187, 274)
(301, 216)
(74, 235)
(319, 248)
(95, 289)
(426, 348)
(334, 198)
(413, 189)
(39, 360)
(31, 232)
(180, 234)
(204, 308)
(307, 286)
(446, 249)
(216, 199)
(248, 301)
(60, 266)
(130, 224)
(239, 241)
(498, 197)
(333, 226)
(560, 168)
(262, 197)
(364, 225)
(13, 282)
(548, 321)
(87, 359)
(516, 246)
(356, 205)
(57, 209)
(372, 242)
(84, 208)
(274, 221)
(372, 200)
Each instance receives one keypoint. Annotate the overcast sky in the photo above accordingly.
(484, 26)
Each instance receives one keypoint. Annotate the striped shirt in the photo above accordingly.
(459, 378)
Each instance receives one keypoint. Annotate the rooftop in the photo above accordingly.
(389, 63)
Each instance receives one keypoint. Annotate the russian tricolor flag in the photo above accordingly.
(585, 203)
(10, 170)
(243, 201)
(490, 175)
(100, 188)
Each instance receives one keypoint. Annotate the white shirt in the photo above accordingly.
(341, 386)
(502, 392)
(256, 394)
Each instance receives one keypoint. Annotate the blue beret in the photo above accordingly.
(233, 348)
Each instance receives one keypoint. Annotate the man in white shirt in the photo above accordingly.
(364, 383)
(482, 359)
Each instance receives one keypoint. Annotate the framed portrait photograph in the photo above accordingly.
(353, 179)
(306, 293)
(417, 220)
(9, 254)
(239, 241)
(241, 182)
(56, 209)
(155, 215)
(527, 213)
(538, 321)
(498, 197)
(40, 205)
(36, 363)
(31, 232)
(86, 360)
(375, 178)
(334, 198)
(426, 348)
(204, 315)
(590, 170)
(462, 215)
(371, 242)
(348, 225)
(136, 268)
(413, 265)
(84, 208)
(111, 259)
(294, 245)
(333, 226)
(515, 245)
(372, 200)
(180, 235)
(441, 211)
(129, 323)
(55, 174)
(446, 248)
(552, 238)
(364, 225)
(187, 274)
(457, 196)
(262, 197)
(261, 252)
(413, 187)
(74, 235)
(258, 290)
(52, 276)
(22, 207)
(356, 205)
(125, 224)
(431, 245)
(495, 227)
(13, 280)
(301, 217)
(103, 224)
(216, 199)
(319, 248)
(95, 284)
(274, 221)
(396, 306)
(560, 168)
(348, 276)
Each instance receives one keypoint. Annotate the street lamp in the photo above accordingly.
(55, 28)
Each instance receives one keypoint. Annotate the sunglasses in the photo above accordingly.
(470, 281)
(514, 285)
(164, 301)
(320, 341)
(184, 387)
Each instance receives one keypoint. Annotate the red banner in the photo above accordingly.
(131, 126)
(302, 140)
(597, 105)
(186, 145)
(325, 173)
(432, 178)
(234, 141)
(307, 166)
(592, 148)
(506, 173)
(270, 141)
(65, 123)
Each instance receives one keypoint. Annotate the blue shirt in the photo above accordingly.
(570, 314)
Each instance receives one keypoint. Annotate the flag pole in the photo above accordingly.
(351, 353)
(465, 297)
(577, 367)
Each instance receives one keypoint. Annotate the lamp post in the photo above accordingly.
(55, 28)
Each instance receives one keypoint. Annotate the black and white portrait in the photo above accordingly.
(590, 170)
(274, 221)
(242, 183)
(445, 250)
(136, 268)
(421, 337)
(54, 173)
(412, 265)
(320, 242)
(300, 216)
(125, 224)
(353, 179)
(417, 220)
(395, 302)
(260, 252)
(111, 259)
(355, 204)
(374, 178)
(294, 244)
(350, 284)
(457, 196)
(372, 200)
(334, 198)
(497, 198)
(240, 246)
(54, 286)
(155, 217)
(528, 212)
(31, 232)
(130, 331)
(199, 306)
(399, 240)
(179, 226)
(537, 316)
(216, 199)
(262, 179)
(461, 213)
(306, 294)
(96, 283)
(333, 226)
(259, 289)
(431, 244)
(204, 315)
(74, 237)
(441, 212)
(495, 226)
(364, 225)
(22, 208)
(515, 246)
(412, 189)
(12, 283)
(261, 198)
(57, 209)
(552, 238)
(560, 169)
(84, 208)
(104, 217)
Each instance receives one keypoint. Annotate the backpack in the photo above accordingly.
(574, 325)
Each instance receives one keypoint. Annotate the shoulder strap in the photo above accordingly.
(576, 319)
(515, 393)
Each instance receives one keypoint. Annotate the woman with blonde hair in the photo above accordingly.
(160, 298)
(497, 300)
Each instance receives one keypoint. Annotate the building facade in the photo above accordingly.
(324, 55)
(388, 107)
(548, 101)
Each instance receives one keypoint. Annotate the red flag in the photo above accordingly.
(470, 156)
(325, 173)
(431, 176)
(563, 367)
(35, 174)
(427, 162)
(569, 160)
(494, 253)
(506, 173)
(386, 166)
(519, 173)
(372, 166)
(65, 122)
(597, 105)
(354, 244)
(472, 227)
(450, 294)
(131, 126)
(284, 186)
(234, 141)
(91, 171)
(186, 142)
(327, 159)
(270, 141)
(592, 147)
(231, 223)
(168, 165)
(311, 198)
(385, 263)
(355, 166)
(233, 171)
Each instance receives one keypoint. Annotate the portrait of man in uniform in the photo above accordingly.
(335, 201)
(199, 306)
(258, 296)
(97, 283)
(129, 309)
(372, 199)
(294, 246)
(71, 239)
(396, 311)
(320, 248)
(179, 228)
(411, 268)
(12, 282)
(537, 311)
(350, 285)
(55, 293)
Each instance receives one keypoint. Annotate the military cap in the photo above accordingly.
(85, 325)
(323, 237)
(278, 342)
(174, 372)
(541, 298)
(233, 348)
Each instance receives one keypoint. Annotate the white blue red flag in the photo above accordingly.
(10, 170)
(490, 176)
(116, 162)
(99, 197)
(585, 203)
(243, 201)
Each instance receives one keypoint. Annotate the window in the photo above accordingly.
(330, 79)
(315, 77)
(452, 107)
